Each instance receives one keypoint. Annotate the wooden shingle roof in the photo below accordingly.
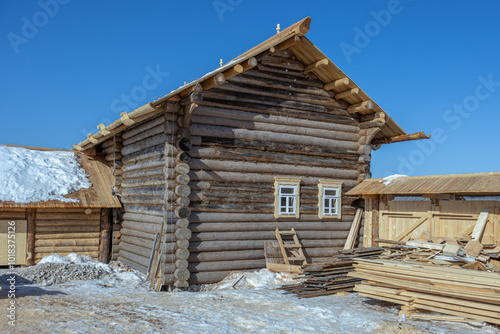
(475, 184)
(293, 38)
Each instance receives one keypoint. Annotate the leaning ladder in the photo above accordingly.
(292, 246)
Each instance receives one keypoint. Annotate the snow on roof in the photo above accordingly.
(34, 176)
(388, 179)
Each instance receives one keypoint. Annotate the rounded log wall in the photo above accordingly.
(272, 120)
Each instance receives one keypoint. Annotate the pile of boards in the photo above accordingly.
(468, 254)
(463, 293)
(332, 277)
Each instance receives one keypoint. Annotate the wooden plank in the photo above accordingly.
(280, 267)
(299, 254)
(480, 225)
(451, 318)
(31, 234)
(280, 242)
(152, 252)
(353, 232)
(105, 236)
(423, 244)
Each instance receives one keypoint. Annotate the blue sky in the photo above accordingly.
(433, 66)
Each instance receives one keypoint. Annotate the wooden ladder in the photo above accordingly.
(293, 246)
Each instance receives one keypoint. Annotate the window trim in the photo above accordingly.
(287, 182)
(322, 186)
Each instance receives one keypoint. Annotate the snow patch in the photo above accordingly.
(70, 258)
(33, 176)
(388, 179)
(252, 279)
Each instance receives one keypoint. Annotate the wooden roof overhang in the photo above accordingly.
(474, 184)
(99, 195)
(293, 38)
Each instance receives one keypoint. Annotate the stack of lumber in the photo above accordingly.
(464, 293)
(467, 254)
(329, 278)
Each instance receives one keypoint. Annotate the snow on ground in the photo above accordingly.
(122, 304)
(33, 176)
(249, 280)
(388, 179)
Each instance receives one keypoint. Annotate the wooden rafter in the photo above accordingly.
(362, 107)
(336, 84)
(396, 139)
(316, 65)
(289, 42)
(347, 93)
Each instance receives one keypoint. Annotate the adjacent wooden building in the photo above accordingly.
(48, 227)
(441, 205)
(273, 138)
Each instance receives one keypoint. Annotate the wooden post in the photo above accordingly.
(375, 220)
(105, 236)
(30, 237)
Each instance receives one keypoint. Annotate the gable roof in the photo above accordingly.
(465, 184)
(293, 38)
(99, 195)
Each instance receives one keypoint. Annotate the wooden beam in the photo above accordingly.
(188, 114)
(125, 119)
(289, 42)
(102, 129)
(194, 97)
(214, 81)
(105, 236)
(336, 84)
(92, 139)
(360, 107)
(480, 225)
(400, 138)
(195, 88)
(174, 98)
(30, 237)
(353, 233)
(347, 93)
(427, 245)
(235, 70)
(249, 63)
(316, 65)
(375, 221)
(284, 268)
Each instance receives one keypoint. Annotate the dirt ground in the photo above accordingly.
(125, 306)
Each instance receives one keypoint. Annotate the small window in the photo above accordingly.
(287, 197)
(287, 200)
(329, 199)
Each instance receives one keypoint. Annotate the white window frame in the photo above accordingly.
(287, 182)
(324, 185)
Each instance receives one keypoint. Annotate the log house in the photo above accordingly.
(266, 140)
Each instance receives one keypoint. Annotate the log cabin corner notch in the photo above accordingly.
(201, 163)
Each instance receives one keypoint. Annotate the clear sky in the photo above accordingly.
(434, 66)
